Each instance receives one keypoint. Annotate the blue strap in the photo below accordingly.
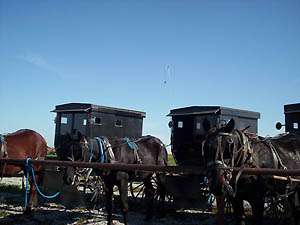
(1, 139)
(91, 148)
(131, 144)
(29, 168)
(102, 157)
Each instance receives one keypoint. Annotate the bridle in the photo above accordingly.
(3, 152)
(240, 152)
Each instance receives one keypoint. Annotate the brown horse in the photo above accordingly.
(23, 144)
(147, 150)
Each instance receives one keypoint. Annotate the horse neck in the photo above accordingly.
(261, 152)
(242, 152)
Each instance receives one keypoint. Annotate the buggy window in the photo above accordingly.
(296, 126)
(64, 120)
(180, 124)
(97, 121)
(118, 123)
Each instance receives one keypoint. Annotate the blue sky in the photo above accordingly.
(147, 55)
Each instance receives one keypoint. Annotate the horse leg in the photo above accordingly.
(220, 207)
(123, 190)
(32, 200)
(257, 210)
(238, 209)
(149, 194)
(109, 193)
(161, 185)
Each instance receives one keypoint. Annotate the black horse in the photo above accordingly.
(229, 147)
(147, 150)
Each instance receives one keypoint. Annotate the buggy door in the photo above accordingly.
(66, 121)
(80, 123)
(183, 129)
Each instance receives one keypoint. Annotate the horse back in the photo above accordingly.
(150, 150)
(288, 147)
(26, 143)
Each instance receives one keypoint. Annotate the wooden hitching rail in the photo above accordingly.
(151, 168)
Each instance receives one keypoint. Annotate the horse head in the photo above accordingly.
(69, 150)
(218, 148)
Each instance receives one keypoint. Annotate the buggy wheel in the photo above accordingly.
(137, 190)
(279, 210)
(96, 189)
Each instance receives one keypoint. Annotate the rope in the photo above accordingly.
(29, 168)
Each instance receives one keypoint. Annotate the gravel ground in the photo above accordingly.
(11, 212)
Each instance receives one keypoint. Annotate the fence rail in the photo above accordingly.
(151, 168)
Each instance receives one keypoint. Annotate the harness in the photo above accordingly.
(133, 146)
(241, 157)
(104, 148)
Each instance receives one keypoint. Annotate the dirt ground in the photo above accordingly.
(11, 212)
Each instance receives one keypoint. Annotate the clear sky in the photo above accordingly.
(147, 55)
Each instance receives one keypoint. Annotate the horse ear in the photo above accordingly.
(229, 126)
(79, 135)
(206, 124)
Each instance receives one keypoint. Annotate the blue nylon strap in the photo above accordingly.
(102, 158)
(91, 148)
(1, 139)
(131, 144)
(28, 169)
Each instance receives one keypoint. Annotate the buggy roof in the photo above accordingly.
(292, 108)
(219, 110)
(87, 107)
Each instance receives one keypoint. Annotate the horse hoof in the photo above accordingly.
(161, 215)
(148, 218)
(28, 211)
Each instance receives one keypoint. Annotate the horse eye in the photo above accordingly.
(229, 141)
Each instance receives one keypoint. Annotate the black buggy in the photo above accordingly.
(187, 135)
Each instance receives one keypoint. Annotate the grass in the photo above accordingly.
(10, 188)
(171, 160)
(4, 214)
(51, 155)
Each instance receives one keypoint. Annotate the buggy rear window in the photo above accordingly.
(97, 121)
(64, 120)
(118, 123)
(296, 126)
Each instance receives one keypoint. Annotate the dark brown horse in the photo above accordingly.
(147, 150)
(23, 144)
(229, 147)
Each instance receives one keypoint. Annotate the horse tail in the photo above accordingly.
(50, 150)
(162, 156)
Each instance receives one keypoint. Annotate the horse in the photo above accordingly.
(147, 150)
(23, 144)
(228, 147)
